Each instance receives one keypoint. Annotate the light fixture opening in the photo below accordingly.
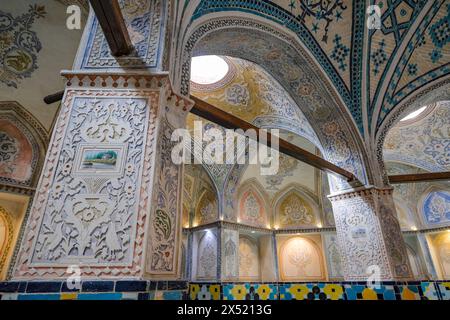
(208, 69)
(414, 114)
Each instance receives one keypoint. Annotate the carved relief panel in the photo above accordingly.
(252, 206)
(248, 259)
(300, 259)
(369, 235)
(230, 254)
(88, 207)
(207, 256)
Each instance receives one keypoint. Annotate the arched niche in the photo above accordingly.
(201, 198)
(252, 204)
(6, 239)
(23, 142)
(441, 253)
(249, 262)
(296, 207)
(206, 256)
(414, 260)
(300, 259)
(206, 210)
(404, 215)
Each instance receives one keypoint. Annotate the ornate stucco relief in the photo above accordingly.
(90, 207)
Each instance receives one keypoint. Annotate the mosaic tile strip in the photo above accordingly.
(250, 291)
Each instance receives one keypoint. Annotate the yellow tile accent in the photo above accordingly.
(69, 296)
(299, 291)
(369, 294)
(214, 289)
(333, 291)
(263, 291)
(195, 288)
(408, 294)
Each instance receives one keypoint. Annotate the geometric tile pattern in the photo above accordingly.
(444, 289)
(250, 291)
(178, 290)
(311, 291)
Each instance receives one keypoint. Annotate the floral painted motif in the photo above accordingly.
(8, 148)
(436, 207)
(19, 45)
(295, 211)
(145, 23)
(237, 95)
(286, 169)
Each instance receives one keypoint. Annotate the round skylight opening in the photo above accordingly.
(414, 114)
(208, 69)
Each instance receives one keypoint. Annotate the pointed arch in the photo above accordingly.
(249, 263)
(296, 207)
(252, 204)
(24, 142)
(300, 259)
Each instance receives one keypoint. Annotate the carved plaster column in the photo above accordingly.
(230, 254)
(109, 197)
(369, 235)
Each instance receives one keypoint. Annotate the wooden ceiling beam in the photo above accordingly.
(419, 177)
(111, 21)
(229, 121)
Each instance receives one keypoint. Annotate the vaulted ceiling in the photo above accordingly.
(373, 71)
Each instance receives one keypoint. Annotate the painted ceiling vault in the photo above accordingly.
(32, 55)
(424, 143)
(373, 71)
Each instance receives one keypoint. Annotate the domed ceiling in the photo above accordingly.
(373, 71)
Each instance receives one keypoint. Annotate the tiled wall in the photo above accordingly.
(321, 291)
(181, 290)
(94, 290)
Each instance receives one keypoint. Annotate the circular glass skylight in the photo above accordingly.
(414, 114)
(208, 69)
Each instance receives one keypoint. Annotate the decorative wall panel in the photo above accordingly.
(88, 207)
(23, 142)
(300, 259)
(207, 208)
(436, 207)
(146, 24)
(369, 235)
(230, 254)
(252, 205)
(165, 220)
(333, 256)
(207, 256)
(296, 207)
(249, 265)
